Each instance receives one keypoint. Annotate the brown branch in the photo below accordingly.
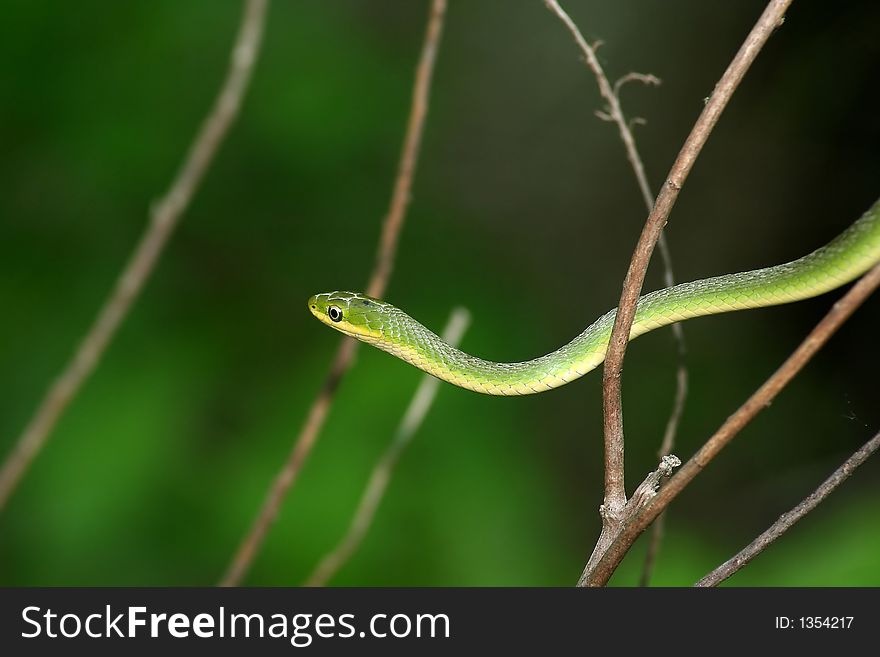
(614, 113)
(615, 491)
(164, 217)
(615, 486)
(637, 518)
(384, 468)
(787, 520)
(391, 227)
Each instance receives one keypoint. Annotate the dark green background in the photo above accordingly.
(524, 211)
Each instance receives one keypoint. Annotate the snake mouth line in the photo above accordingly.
(321, 315)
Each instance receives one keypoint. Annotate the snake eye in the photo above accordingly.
(334, 313)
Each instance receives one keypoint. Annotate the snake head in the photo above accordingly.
(351, 313)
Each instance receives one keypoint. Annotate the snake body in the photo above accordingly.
(376, 322)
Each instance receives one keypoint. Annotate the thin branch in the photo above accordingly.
(384, 468)
(614, 113)
(391, 227)
(637, 518)
(632, 76)
(787, 520)
(659, 527)
(615, 494)
(164, 217)
(615, 487)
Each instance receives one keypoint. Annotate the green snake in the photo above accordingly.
(384, 326)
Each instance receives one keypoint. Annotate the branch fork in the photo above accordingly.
(615, 519)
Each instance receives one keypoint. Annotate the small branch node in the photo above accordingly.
(611, 513)
(645, 78)
(667, 464)
(649, 487)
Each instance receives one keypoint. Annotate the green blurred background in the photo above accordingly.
(524, 211)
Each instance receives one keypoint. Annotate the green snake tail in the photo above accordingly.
(378, 323)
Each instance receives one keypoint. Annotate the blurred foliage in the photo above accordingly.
(524, 211)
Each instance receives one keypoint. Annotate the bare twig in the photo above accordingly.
(615, 488)
(164, 217)
(787, 520)
(391, 227)
(633, 76)
(659, 527)
(637, 518)
(384, 468)
(614, 113)
(615, 494)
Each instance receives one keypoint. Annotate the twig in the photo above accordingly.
(659, 527)
(615, 493)
(787, 520)
(391, 227)
(614, 113)
(164, 217)
(632, 76)
(615, 488)
(637, 518)
(384, 468)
